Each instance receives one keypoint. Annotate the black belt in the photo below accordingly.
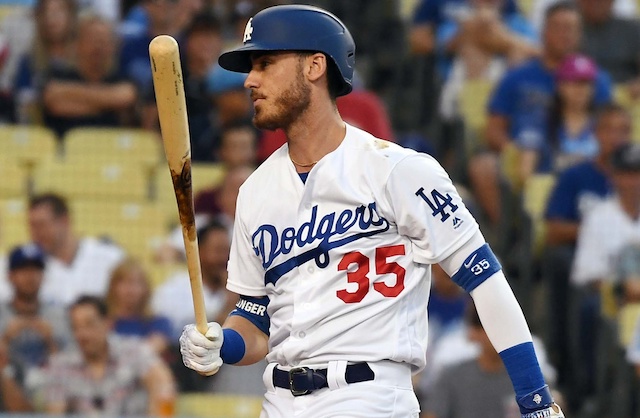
(303, 380)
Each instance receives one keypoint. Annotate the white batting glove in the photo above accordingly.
(202, 352)
(552, 411)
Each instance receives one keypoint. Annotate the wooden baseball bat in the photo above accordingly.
(172, 112)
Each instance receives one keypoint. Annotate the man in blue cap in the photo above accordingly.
(33, 330)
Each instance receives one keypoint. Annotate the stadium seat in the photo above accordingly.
(6, 10)
(14, 178)
(204, 176)
(218, 406)
(510, 158)
(29, 145)
(105, 182)
(621, 95)
(472, 101)
(159, 273)
(13, 223)
(628, 322)
(138, 228)
(126, 146)
(526, 7)
(535, 194)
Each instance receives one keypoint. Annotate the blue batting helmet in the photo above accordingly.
(296, 28)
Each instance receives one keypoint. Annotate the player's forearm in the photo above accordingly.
(57, 408)
(96, 96)
(501, 315)
(59, 104)
(507, 329)
(13, 396)
(160, 387)
(497, 132)
(477, 270)
(528, 160)
(256, 342)
(118, 96)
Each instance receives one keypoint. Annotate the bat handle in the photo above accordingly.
(201, 321)
(195, 278)
(198, 307)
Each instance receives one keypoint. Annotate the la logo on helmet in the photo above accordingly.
(248, 30)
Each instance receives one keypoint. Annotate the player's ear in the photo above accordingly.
(316, 66)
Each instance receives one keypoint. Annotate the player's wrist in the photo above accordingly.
(233, 346)
(536, 400)
(553, 411)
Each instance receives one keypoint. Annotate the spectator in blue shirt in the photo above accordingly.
(580, 185)
(520, 103)
(577, 190)
(569, 135)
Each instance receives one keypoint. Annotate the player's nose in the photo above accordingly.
(251, 82)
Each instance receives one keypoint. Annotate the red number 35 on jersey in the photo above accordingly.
(363, 268)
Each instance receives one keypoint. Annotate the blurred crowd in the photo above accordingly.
(532, 106)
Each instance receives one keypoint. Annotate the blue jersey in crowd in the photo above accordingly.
(577, 189)
(445, 32)
(135, 327)
(437, 12)
(565, 150)
(524, 95)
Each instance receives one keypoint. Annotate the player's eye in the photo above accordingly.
(264, 63)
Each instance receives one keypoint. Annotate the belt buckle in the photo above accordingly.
(300, 371)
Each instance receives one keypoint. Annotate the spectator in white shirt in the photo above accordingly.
(613, 223)
(75, 266)
(5, 288)
(609, 227)
(173, 298)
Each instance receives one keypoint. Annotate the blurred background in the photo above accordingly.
(532, 106)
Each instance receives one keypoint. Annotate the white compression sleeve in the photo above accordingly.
(500, 313)
(497, 307)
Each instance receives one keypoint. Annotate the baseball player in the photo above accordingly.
(333, 241)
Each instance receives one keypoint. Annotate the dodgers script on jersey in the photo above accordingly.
(345, 257)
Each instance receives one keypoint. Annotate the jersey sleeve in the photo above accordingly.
(428, 209)
(503, 96)
(562, 203)
(246, 275)
(426, 13)
(603, 88)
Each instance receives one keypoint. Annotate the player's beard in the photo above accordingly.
(288, 107)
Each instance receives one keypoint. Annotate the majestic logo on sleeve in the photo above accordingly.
(331, 231)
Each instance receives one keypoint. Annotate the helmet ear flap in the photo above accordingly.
(336, 83)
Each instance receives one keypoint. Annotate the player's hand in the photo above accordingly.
(553, 411)
(202, 352)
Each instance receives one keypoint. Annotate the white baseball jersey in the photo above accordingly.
(604, 232)
(88, 273)
(345, 257)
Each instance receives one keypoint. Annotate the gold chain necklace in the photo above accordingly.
(303, 165)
